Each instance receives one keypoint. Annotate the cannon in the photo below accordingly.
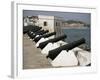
(36, 29)
(39, 33)
(44, 36)
(43, 44)
(28, 28)
(25, 30)
(33, 34)
(42, 32)
(55, 52)
(30, 33)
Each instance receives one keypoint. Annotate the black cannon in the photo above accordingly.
(43, 44)
(33, 34)
(28, 28)
(55, 52)
(30, 33)
(25, 30)
(40, 33)
(44, 36)
(35, 29)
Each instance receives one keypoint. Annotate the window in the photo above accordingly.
(57, 23)
(45, 23)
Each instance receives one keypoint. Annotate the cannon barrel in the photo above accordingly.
(36, 29)
(31, 28)
(34, 33)
(43, 32)
(43, 44)
(25, 30)
(40, 33)
(44, 36)
(55, 52)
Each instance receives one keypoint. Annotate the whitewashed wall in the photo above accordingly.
(49, 20)
(58, 20)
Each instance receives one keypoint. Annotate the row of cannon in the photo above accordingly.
(57, 51)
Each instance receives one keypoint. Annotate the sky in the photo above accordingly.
(85, 17)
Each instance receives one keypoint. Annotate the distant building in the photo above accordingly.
(30, 20)
(73, 25)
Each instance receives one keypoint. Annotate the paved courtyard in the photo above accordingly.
(32, 57)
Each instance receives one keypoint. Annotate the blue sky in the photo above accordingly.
(85, 17)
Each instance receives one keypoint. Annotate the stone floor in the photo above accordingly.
(32, 57)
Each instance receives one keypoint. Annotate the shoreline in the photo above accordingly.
(75, 28)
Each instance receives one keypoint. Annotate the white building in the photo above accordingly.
(51, 23)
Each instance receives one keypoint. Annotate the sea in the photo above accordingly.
(78, 33)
